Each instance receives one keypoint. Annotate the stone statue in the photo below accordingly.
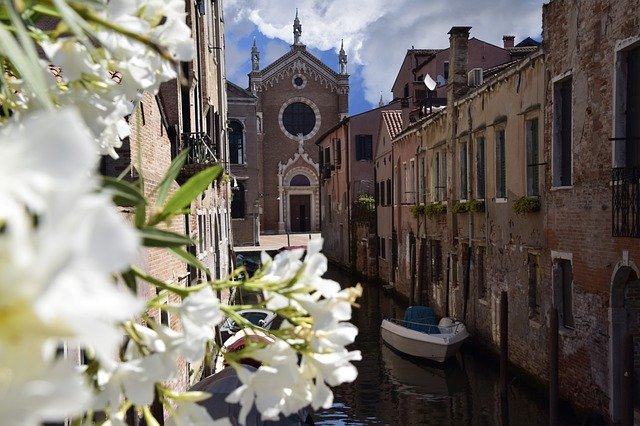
(255, 57)
(297, 29)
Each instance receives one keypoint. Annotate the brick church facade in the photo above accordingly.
(298, 99)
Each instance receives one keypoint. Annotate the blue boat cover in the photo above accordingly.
(421, 318)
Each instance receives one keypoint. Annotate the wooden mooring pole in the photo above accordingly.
(504, 356)
(627, 380)
(553, 367)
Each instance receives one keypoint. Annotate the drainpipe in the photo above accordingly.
(347, 145)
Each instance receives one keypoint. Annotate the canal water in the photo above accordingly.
(394, 390)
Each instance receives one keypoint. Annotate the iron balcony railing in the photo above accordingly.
(625, 201)
(200, 146)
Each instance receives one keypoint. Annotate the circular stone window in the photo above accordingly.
(297, 118)
(299, 81)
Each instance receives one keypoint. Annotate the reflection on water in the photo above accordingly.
(392, 389)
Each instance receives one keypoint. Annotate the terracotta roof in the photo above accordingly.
(393, 121)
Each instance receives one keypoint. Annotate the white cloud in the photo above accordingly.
(378, 33)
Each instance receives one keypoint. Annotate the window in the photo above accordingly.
(440, 176)
(329, 206)
(389, 193)
(236, 143)
(463, 171)
(480, 168)
(422, 180)
(436, 176)
(238, 201)
(412, 181)
(403, 189)
(446, 70)
(298, 118)
(382, 249)
(501, 166)
(381, 200)
(563, 288)
(337, 147)
(533, 157)
(435, 261)
(364, 147)
(534, 285)
(480, 272)
(300, 180)
(201, 233)
(562, 144)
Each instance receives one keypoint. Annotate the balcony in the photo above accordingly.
(201, 152)
(625, 201)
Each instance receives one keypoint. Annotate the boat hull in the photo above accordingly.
(435, 347)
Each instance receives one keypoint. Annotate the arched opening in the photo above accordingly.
(625, 318)
(300, 180)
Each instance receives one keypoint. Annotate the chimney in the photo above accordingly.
(507, 41)
(458, 49)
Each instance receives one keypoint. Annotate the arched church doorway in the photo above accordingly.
(625, 319)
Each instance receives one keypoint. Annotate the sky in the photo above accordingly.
(376, 34)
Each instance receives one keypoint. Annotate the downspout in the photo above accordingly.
(469, 198)
(392, 270)
(349, 227)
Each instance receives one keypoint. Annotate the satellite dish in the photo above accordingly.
(428, 81)
(441, 81)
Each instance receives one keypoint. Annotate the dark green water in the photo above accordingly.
(394, 390)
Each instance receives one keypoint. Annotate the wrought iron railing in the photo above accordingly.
(625, 201)
(200, 146)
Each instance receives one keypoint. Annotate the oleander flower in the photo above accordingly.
(199, 314)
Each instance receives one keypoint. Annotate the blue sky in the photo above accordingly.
(376, 34)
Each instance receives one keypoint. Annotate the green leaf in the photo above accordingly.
(130, 278)
(183, 197)
(189, 258)
(152, 237)
(159, 283)
(170, 176)
(124, 193)
(140, 215)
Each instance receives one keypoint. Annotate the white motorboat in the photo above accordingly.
(419, 335)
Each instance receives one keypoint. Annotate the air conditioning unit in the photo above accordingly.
(474, 77)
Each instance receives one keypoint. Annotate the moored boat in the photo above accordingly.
(420, 335)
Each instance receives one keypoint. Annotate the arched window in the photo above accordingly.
(238, 202)
(236, 143)
(300, 180)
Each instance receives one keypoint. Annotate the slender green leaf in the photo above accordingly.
(152, 237)
(159, 283)
(170, 176)
(189, 258)
(140, 215)
(187, 193)
(130, 278)
(124, 193)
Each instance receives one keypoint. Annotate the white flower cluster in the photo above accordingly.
(117, 49)
(63, 244)
(282, 384)
(60, 241)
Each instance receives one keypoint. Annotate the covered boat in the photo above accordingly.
(420, 335)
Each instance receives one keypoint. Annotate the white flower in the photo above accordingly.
(72, 57)
(57, 391)
(199, 314)
(333, 368)
(191, 414)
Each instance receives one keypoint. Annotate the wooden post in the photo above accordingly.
(553, 367)
(504, 344)
(627, 380)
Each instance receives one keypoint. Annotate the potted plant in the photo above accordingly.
(431, 210)
(526, 205)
